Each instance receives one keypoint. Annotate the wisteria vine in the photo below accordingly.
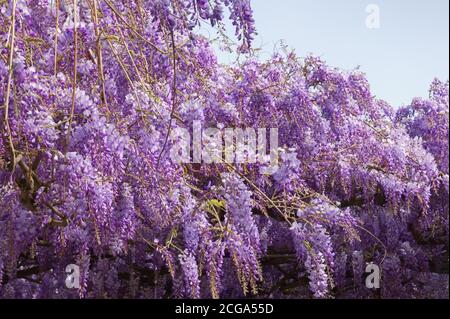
(90, 91)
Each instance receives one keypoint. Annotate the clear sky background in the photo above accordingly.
(401, 58)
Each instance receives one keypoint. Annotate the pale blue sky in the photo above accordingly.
(400, 59)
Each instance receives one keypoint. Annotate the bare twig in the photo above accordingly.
(8, 88)
(132, 29)
(55, 66)
(74, 82)
(174, 96)
(99, 54)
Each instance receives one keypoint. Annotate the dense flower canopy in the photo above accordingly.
(90, 91)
